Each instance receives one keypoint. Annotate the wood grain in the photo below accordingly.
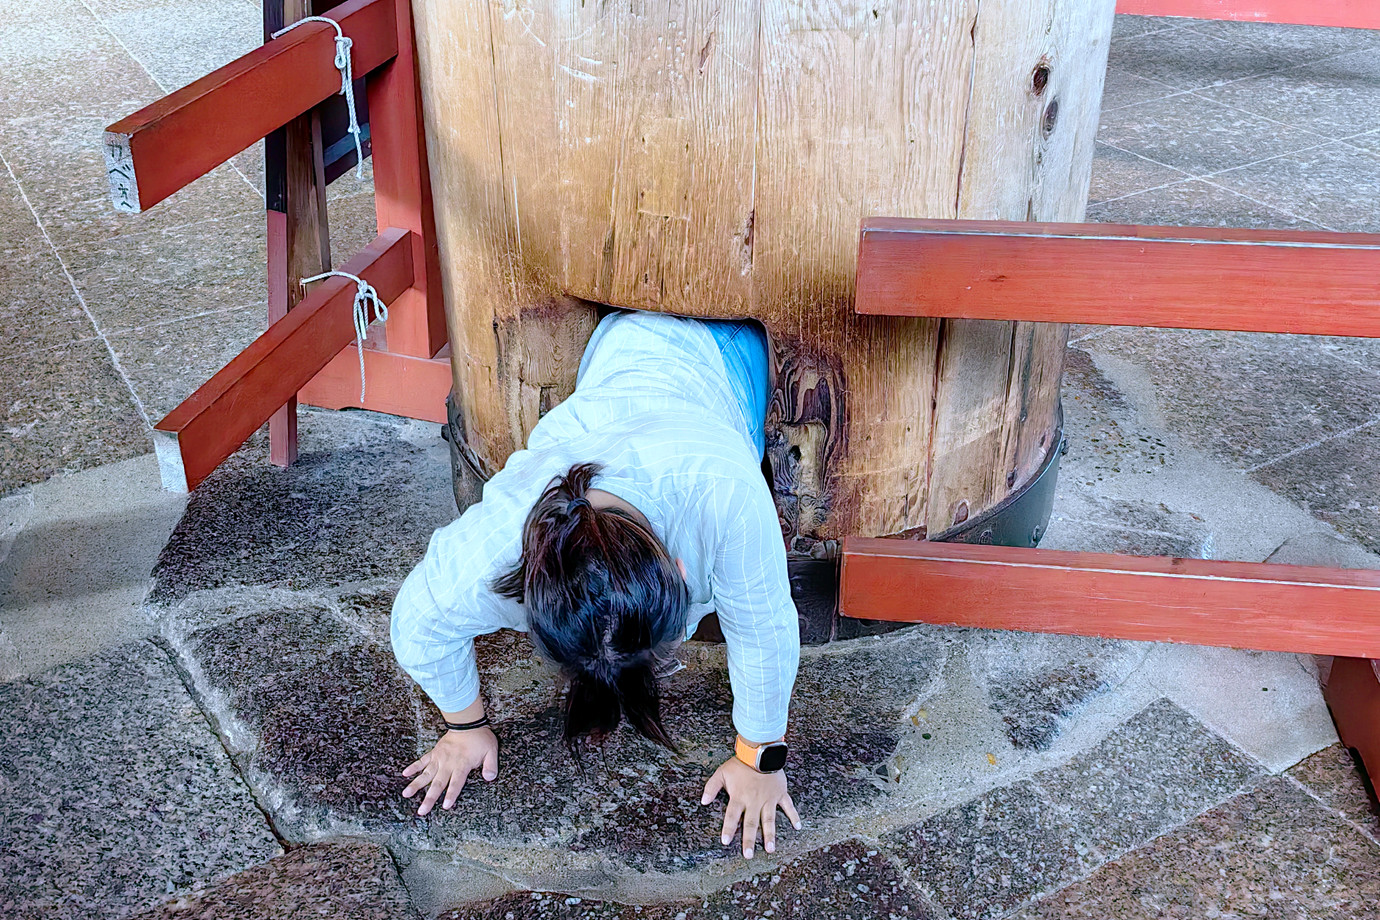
(1355, 14)
(715, 160)
(1353, 695)
(1179, 277)
(1201, 602)
(163, 146)
(213, 422)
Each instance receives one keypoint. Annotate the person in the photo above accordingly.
(638, 506)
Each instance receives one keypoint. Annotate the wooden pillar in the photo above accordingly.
(716, 160)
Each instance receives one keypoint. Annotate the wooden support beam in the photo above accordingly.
(398, 384)
(214, 421)
(1355, 14)
(1117, 275)
(1353, 695)
(1197, 601)
(402, 194)
(162, 147)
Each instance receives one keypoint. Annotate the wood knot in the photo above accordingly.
(1039, 79)
(1051, 116)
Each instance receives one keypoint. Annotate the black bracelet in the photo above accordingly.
(466, 726)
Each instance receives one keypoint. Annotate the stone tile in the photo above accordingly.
(1150, 775)
(1185, 58)
(1267, 704)
(985, 857)
(57, 157)
(354, 880)
(36, 289)
(1123, 88)
(1337, 185)
(1116, 173)
(1323, 547)
(353, 224)
(20, 236)
(178, 41)
(116, 792)
(64, 408)
(1199, 138)
(1037, 683)
(846, 881)
(1195, 203)
(1338, 481)
(1335, 777)
(1245, 397)
(1290, 45)
(1130, 26)
(1336, 98)
(252, 523)
(139, 279)
(74, 580)
(168, 361)
(55, 54)
(1272, 853)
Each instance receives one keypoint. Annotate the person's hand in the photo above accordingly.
(448, 765)
(752, 799)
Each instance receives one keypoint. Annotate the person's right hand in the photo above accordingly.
(447, 766)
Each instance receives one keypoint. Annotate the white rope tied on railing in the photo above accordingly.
(343, 63)
(364, 296)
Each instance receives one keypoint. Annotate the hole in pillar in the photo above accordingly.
(961, 512)
(1051, 116)
(1039, 79)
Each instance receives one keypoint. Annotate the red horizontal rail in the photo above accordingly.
(163, 146)
(1355, 14)
(398, 384)
(1202, 602)
(214, 421)
(1117, 275)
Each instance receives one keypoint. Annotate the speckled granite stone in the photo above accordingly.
(251, 523)
(983, 858)
(64, 408)
(1116, 173)
(352, 881)
(1247, 398)
(1195, 203)
(1159, 769)
(114, 793)
(846, 881)
(1337, 185)
(1273, 853)
(1333, 776)
(1036, 682)
(1338, 481)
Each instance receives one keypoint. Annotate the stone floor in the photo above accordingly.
(156, 762)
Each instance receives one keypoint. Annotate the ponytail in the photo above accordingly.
(604, 601)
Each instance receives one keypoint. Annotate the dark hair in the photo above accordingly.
(604, 601)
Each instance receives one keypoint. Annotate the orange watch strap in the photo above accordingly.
(746, 752)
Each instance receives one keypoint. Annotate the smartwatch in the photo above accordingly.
(764, 758)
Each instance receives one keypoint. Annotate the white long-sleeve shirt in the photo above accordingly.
(653, 404)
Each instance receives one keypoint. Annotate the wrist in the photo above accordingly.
(760, 756)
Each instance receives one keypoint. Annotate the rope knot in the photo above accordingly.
(343, 44)
(365, 296)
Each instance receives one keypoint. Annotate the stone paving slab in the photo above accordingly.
(1333, 777)
(846, 881)
(1274, 852)
(352, 881)
(251, 523)
(1149, 776)
(114, 792)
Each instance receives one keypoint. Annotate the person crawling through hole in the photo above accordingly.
(638, 507)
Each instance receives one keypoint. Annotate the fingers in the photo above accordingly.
(457, 782)
(419, 783)
(490, 770)
(789, 808)
(713, 788)
(751, 818)
(732, 813)
(418, 765)
(433, 792)
(769, 828)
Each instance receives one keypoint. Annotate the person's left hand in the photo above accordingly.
(752, 799)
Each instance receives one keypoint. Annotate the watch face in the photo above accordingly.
(773, 758)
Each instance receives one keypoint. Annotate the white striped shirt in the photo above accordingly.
(653, 404)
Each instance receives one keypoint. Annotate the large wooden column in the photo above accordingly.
(715, 159)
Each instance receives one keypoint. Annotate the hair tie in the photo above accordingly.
(576, 504)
